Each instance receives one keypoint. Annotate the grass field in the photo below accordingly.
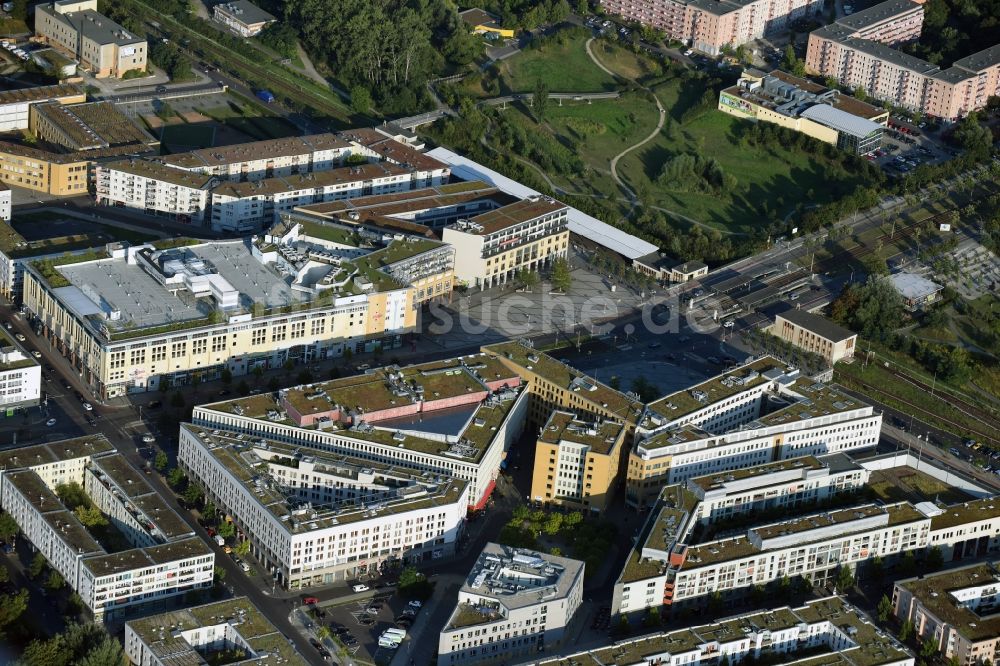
(246, 117)
(624, 62)
(562, 65)
(195, 136)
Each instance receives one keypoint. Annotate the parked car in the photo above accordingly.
(88, 407)
(310, 601)
(360, 587)
(20, 337)
(50, 423)
(148, 438)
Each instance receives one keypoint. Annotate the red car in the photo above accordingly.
(310, 601)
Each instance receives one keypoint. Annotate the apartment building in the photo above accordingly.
(556, 386)
(58, 174)
(90, 126)
(577, 462)
(314, 517)
(802, 106)
(455, 418)
(154, 189)
(270, 158)
(15, 104)
(859, 51)
(133, 319)
(956, 610)
(815, 334)
(712, 25)
(242, 17)
(380, 145)
(493, 246)
(758, 413)
(248, 207)
(514, 604)
(302, 244)
(20, 376)
(827, 631)
(166, 559)
(194, 635)
(5, 203)
(103, 47)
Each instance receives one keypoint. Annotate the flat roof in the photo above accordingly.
(39, 93)
(62, 450)
(876, 14)
(93, 26)
(256, 150)
(818, 325)
(719, 479)
(840, 120)
(581, 224)
(680, 403)
(967, 512)
(163, 633)
(814, 400)
(396, 489)
(935, 592)
(913, 287)
(513, 214)
(393, 151)
(98, 124)
(157, 171)
(307, 181)
(980, 60)
(245, 12)
(477, 16)
(600, 437)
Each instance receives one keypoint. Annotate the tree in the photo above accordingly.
(220, 574)
(108, 652)
(176, 478)
(540, 100)
(8, 527)
(161, 461)
(791, 63)
(11, 608)
(54, 582)
(528, 279)
(928, 648)
(226, 376)
(90, 516)
(884, 609)
(361, 100)
(37, 565)
(4, 574)
(322, 632)
(905, 631)
(935, 559)
(242, 548)
(72, 495)
(553, 524)
(410, 576)
(243, 388)
(193, 494)
(273, 384)
(209, 510)
(226, 529)
(907, 564)
(562, 278)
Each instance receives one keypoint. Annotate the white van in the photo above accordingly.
(395, 634)
(389, 643)
(360, 587)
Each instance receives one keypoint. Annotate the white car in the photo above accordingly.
(87, 406)
(415, 604)
(36, 354)
(50, 423)
(148, 438)
(19, 336)
(360, 587)
(245, 567)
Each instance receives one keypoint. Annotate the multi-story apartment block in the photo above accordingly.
(5, 203)
(58, 174)
(138, 318)
(15, 104)
(102, 46)
(165, 559)
(492, 247)
(242, 17)
(271, 158)
(679, 559)
(860, 52)
(815, 334)
(302, 242)
(755, 414)
(154, 189)
(577, 462)
(803, 106)
(251, 206)
(456, 418)
(379, 146)
(514, 604)
(712, 25)
(826, 631)
(314, 517)
(956, 610)
(20, 376)
(556, 386)
(196, 635)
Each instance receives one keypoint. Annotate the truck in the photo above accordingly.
(265, 96)
(219, 540)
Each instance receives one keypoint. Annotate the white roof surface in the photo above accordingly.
(580, 223)
(841, 121)
(913, 287)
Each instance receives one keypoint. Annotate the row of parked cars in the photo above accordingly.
(15, 49)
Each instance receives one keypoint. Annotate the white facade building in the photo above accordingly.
(514, 603)
(319, 518)
(5, 203)
(152, 188)
(167, 559)
(391, 416)
(20, 376)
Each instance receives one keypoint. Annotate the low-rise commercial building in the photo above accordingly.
(196, 635)
(514, 604)
(955, 610)
(800, 105)
(823, 632)
(916, 290)
(102, 46)
(15, 104)
(133, 319)
(660, 267)
(456, 418)
(165, 558)
(482, 22)
(860, 52)
(577, 462)
(242, 17)
(90, 126)
(492, 247)
(314, 517)
(713, 25)
(815, 334)
(755, 414)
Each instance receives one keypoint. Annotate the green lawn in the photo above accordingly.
(624, 62)
(252, 119)
(562, 65)
(195, 136)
